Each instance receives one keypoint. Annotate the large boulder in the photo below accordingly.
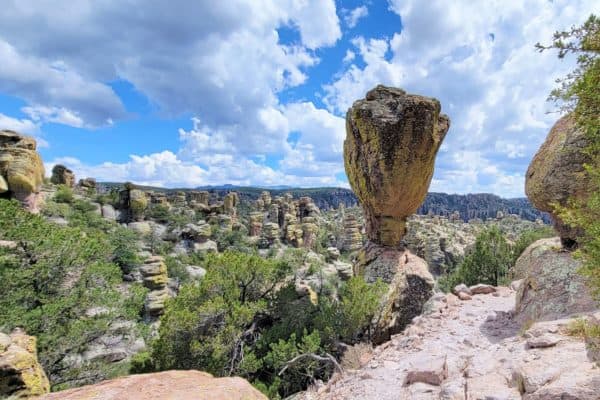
(181, 385)
(61, 175)
(21, 169)
(410, 287)
(21, 375)
(392, 139)
(556, 173)
(552, 287)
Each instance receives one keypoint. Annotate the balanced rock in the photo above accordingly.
(133, 203)
(556, 173)
(21, 375)
(61, 175)
(155, 277)
(21, 169)
(392, 139)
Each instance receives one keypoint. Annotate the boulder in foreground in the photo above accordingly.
(168, 385)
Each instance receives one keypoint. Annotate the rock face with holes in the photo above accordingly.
(472, 349)
(21, 375)
(181, 385)
(392, 138)
(556, 173)
(21, 169)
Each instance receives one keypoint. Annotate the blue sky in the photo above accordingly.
(254, 92)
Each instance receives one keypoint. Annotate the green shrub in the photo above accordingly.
(48, 285)
(488, 262)
(64, 194)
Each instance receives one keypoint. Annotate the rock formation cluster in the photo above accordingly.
(283, 219)
(21, 169)
(556, 174)
(392, 139)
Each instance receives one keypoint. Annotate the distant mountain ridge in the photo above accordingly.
(470, 206)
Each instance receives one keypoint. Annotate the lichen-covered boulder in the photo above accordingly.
(392, 139)
(556, 173)
(137, 204)
(21, 375)
(21, 169)
(552, 287)
(61, 175)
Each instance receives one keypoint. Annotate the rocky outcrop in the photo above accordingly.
(21, 375)
(352, 236)
(392, 139)
(61, 175)
(88, 183)
(410, 286)
(132, 203)
(155, 277)
(556, 173)
(551, 286)
(21, 169)
(181, 385)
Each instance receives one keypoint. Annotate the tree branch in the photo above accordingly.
(327, 358)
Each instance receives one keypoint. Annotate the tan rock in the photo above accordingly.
(556, 173)
(482, 289)
(21, 375)
(352, 236)
(21, 169)
(61, 175)
(431, 371)
(392, 139)
(168, 385)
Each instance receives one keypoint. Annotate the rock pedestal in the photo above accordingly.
(352, 236)
(392, 139)
(21, 169)
(155, 277)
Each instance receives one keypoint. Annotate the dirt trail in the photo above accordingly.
(468, 350)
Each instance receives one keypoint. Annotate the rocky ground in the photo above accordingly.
(472, 349)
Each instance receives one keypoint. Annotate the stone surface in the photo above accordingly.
(352, 237)
(168, 385)
(432, 371)
(21, 375)
(21, 169)
(556, 173)
(410, 287)
(155, 277)
(552, 287)
(482, 289)
(392, 139)
(61, 175)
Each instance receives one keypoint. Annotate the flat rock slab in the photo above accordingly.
(169, 385)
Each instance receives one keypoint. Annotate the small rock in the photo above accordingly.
(195, 272)
(515, 285)
(432, 372)
(8, 244)
(543, 341)
(482, 289)
(464, 296)
(462, 288)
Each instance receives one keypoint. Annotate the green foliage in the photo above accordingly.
(160, 213)
(243, 319)
(124, 252)
(580, 94)
(488, 262)
(234, 240)
(64, 194)
(49, 283)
